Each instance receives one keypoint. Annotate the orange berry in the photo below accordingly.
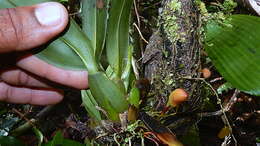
(206, 73)
(177, 97)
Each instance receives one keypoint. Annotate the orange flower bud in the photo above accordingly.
(177, 97)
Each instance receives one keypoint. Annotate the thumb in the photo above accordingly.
(23, 28)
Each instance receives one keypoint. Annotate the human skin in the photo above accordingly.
(24, 78)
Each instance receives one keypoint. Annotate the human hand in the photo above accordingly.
(23, 77)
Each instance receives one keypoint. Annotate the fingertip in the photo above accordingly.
(51, 14)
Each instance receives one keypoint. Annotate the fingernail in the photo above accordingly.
(48, 13)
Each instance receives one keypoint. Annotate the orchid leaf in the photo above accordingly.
(124, 33)
(90, 104)
(94, 23)
(79, 43)
(118, 33)
(66, 59)
(108, 94)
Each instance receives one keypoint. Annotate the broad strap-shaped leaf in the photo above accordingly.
(125, 49)
(90, 104)
(61, 55)
(120, 9)
(73, 50)
(76, 41)
(104, 89)
(79, 43)
(235, 51)
(94, 23)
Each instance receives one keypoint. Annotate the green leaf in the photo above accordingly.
(77, 40)
(235, 51)
(14, 3)
(124, 33)
(10, 141)
(39, 136)
(59, 140)
(6, 4)
(66, 59)
(94, 23)
(224, 88)
(107, 93)
(128, 68)
(90, 104)
(118, 29)
(89, 20)
(134, 97)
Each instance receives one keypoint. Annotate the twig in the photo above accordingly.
(150, 138)
(20, 114)
(115, 139)
(232, 100)
(137, 14)
(216, 79)
(99, 136)
(140, 33)
(226, 141)
(30, 123)
(224, 117)
(226, 108)
(209, 114)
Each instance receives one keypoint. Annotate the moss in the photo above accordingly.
(169, 20)
(229, 6)
(175, 6)
(168, 80)
(220, 16)
(202, 8)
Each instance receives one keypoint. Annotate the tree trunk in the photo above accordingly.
(173, 54)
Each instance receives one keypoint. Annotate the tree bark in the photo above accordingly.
(173, 54)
